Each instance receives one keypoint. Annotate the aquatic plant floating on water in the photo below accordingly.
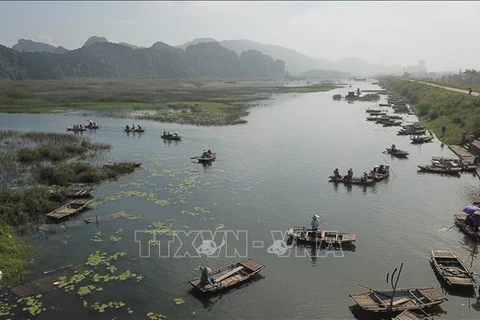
(179, 301)
(156, 316)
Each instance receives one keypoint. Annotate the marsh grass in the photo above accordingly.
(181, 101)
(436, 107)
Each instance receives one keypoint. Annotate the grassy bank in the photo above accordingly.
(181, 101)
(35, 168)
(436, 107)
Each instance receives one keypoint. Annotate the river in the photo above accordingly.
(270, 173)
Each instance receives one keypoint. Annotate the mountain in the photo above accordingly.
(33, 46)
(128, 45)
(108, 60)
(296, 63)
(95, 39)
(196, 41)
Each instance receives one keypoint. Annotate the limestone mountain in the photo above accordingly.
(34, 46)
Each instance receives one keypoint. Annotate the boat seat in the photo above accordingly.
(228, 274)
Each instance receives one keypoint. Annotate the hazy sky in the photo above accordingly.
(446, 34)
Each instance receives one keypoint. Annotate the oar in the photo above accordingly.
(450, 227)
(193, 157)
(383, 294)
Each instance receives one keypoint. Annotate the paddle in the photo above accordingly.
(193, 157)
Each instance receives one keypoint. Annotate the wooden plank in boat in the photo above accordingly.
(251, 264)
(228, 274)
(443, 254)
(432, 294)
(407, 315)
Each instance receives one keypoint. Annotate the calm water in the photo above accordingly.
(271, 173)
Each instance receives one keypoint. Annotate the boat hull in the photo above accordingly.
(451, 270)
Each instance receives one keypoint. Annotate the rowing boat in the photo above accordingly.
(435, 169)
(403, 299)
(460, 222)
(354, 180)
(452, 271)
(69, 209)
(397, 152)
(172, 137)
(322, 238)
(212, 157)
(421, 139)
(119, 164)
(228, 276)
(76, 130)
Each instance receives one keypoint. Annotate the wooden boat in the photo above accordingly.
(91, 127)
(435, 169)
(212, 157)
(397, 152)
(76, 130)
(69, 209)
(460, 221)
(447, 265)
(379, 176)
(392, 123)
(136, 130)
(229, 276)
(385, 105)
(455, 163)
(322, 238)
(406, 132)
(407, 315)
(421, 139)
(172, 137)
(78, 191)
(118, 164)
(355, 180)
(403, 299)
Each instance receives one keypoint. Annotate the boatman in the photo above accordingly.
(337, 174)
(393, 147)
(206, 277)
(314, 225)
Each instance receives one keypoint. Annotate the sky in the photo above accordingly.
(445, 34)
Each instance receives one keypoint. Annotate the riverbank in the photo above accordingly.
(438, 107)
(199, 102)
(35, 169)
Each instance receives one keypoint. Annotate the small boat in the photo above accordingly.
(397, 152)
(92, 127)
(119, 164)
(135, 130)
(461, 222)
(76, 130)
(69, 209)
(456, 163)
(392, 123)
(435, 169)
(322, 238)
(78, 191)
(212, 157)
(172, 137)
(406, 132)
(229, 276)
(355, 180)
(452, 270)
(385, 105)
(421, 139)
(403, 299)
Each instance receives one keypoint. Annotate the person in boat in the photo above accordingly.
(209, 152)
(336, 174)
(127, 128)
(394, 148)
(206, 277)
(314, 225)
(205, 154)
(365, 176)
(94, 124)
(81, 126)
(139, 128)
(169, 133)
(133, 127)
(381, 169)
(176, 134)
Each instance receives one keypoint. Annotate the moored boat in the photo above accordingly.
(78, 191)
(403, 299)
(229, 276)
(421, 139)
(407, 315)
(435, 169)
(69, 209)
(452, 271)
(321, 238)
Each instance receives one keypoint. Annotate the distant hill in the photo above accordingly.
(103, 59)
(324, 74)
(196, 41)
(95, 39)
(128, 45)
(33, 46)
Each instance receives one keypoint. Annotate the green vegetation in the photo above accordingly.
(436, 107)
(41, 161)
(465, 80)
(179, 101)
